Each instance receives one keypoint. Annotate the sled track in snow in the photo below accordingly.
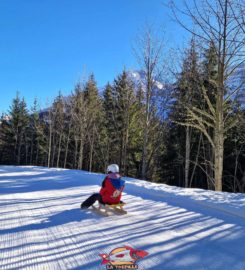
(42, 226)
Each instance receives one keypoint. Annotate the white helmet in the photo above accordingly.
(114, 168)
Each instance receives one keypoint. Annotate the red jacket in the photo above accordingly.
(112, 188)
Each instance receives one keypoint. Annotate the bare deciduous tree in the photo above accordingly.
(220, 22)
(148, 50)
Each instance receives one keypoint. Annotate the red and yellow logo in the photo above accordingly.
(123, 258)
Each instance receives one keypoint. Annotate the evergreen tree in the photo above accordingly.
(14, 131)
(37, 136)
(79, 121)
(93, 106)
(187, 95)
(58, 119)
(124, 101)
(110, 134)
(136, 134)
(234, 161)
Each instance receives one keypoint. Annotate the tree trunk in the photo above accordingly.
(91, 152)
(19, 150)
(31, 151)
(146, 127)
(50, 141)
(26, 148)
(67, 145)
(80, 160)
(54, 151)
(218, 155)
(125, 150)
(187, 156)
(59, 150)
(37, 154)
(219, 140)
(196, 161)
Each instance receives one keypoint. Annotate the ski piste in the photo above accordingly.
(42, 226)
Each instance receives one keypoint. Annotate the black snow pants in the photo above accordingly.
(91, 200)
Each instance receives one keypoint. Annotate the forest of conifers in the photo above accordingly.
(189, 133)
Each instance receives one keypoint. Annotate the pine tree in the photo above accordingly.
(58, 115)
(234, 162)
(110, 134)
(136, 134)
(79, 125)
(187, 95)
(38, 147)
(93, 106)
(14, 131)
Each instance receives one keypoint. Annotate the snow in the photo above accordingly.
(42, 227)
(139, 78)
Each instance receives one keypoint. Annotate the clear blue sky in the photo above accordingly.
(46, 45)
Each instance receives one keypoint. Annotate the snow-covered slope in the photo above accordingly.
(42, 227)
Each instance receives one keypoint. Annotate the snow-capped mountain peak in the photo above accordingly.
(139, 78)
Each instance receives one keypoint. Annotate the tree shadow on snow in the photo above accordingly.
(28, 179)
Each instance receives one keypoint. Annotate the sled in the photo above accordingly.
(98, 211)
(107, 209)
(117, 207)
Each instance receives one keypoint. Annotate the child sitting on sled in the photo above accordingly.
(111, 190)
